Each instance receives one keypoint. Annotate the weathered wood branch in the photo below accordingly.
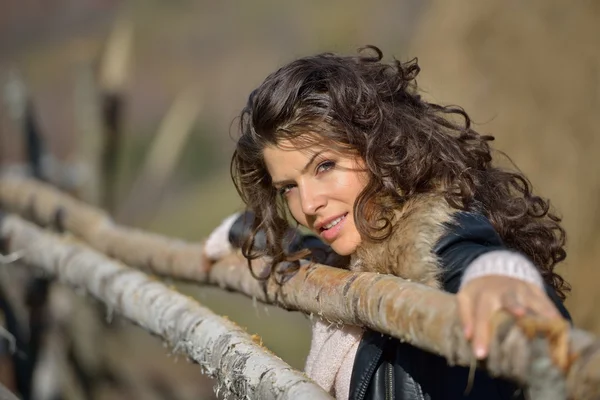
(243, 368)
(421, 316)
(47, 206)
(6, 394)
(112, 79)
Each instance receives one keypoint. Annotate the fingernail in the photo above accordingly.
(480, 352)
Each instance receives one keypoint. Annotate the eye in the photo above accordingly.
(285, 189)
(325, 166)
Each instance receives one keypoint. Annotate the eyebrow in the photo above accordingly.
(303, 171)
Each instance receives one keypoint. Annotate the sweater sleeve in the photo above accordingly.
(504, 263)
(331, 355)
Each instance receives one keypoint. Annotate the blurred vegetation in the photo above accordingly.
(527, 72)
(201, 153)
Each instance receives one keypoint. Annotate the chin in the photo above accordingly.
(345, 247)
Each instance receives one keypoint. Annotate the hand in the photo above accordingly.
(480, 298)
(218, 244)
(231, 234)
(234, 230)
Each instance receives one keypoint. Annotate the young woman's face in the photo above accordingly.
(320, 186)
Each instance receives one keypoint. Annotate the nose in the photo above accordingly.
(311, 198)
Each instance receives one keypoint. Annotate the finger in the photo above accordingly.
(481, 329)
(540, 304)
(465, 312)
(511, 303)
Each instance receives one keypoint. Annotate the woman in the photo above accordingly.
(347, 148)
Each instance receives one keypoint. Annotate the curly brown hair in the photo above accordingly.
(410, 146)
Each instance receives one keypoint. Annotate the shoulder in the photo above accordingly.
(466, 237)
(468, 227)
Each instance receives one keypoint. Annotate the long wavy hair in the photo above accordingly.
(410, 146)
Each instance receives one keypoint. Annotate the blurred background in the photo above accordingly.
(135, 105)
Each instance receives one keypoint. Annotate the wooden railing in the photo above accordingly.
(552, 360)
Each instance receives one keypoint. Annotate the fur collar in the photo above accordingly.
(408, 252)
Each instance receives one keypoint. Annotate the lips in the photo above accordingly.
(330, 234)
(319, 226)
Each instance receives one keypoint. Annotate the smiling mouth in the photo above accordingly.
(333, 223)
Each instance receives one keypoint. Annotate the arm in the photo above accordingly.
(234, 230)
(488, 277)
(472, 248)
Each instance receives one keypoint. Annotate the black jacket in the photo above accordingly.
(385, 368)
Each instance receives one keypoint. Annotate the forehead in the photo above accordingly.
(288, 157)
(302, 145)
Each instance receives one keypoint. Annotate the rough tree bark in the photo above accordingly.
(242, 367)
(421, 316)
(6, 394)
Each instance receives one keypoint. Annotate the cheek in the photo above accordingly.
(352, 187)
